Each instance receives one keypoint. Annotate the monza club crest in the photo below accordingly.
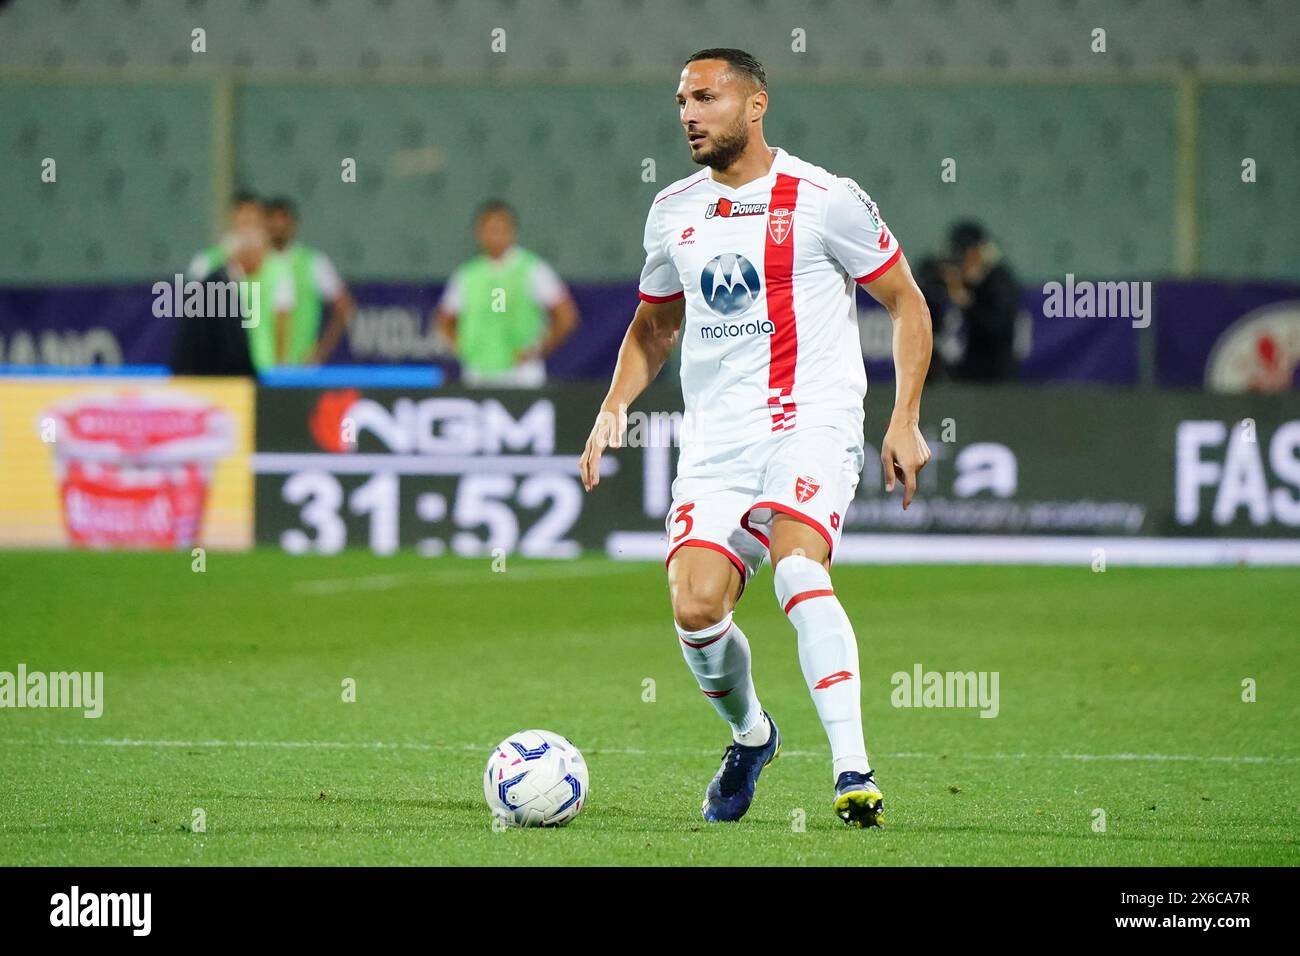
(804, 488)
(778, 224)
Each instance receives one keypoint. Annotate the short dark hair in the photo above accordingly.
(243, 197)
(282, 204)
(496, 205)
(738, 60)
(966, 234)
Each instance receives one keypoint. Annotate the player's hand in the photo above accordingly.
(903, 454)
(606, 433)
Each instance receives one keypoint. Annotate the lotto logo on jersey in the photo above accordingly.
(729, 284)
(727, 209)
(778, 224)
(804, 488)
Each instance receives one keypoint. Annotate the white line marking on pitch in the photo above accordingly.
(617, 751)
(383, 582)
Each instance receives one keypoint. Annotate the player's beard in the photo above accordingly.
(727, 145)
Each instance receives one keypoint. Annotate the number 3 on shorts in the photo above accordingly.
(683, 517)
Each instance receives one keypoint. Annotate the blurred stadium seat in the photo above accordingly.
(572, 37)
(275, 96)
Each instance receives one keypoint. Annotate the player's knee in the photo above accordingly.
(778, 556)
(792, 536)
(696, 610)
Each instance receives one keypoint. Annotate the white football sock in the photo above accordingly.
(828, 655)
(718, 656)
(758, 736)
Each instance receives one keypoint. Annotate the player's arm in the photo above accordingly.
(283, 301)
(445, 322)
(342, 308)
(444, 316)
(283, 322)
(858, 238)
(646, 346)
(549, 290)
(332, 289)
(564, 320)
(903, 452)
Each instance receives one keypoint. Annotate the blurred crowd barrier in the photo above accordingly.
(1136, 176)
(1192, 334)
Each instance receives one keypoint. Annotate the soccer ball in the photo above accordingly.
(535, 779)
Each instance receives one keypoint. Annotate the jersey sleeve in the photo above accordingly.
(659, 279)
(283, 298)
(200, 266)
(546, 286)
(328, 283)
(452, 298)
(856, 235)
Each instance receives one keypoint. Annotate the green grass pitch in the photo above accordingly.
(1119, 691)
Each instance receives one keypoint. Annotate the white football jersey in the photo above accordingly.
(770, 336)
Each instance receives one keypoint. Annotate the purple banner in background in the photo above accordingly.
(1079, 350)
(1053, 349)
(82, 325)
(1237, 336)
(393, 324)
(1228, 336)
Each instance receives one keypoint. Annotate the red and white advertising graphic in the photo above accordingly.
(134, 468)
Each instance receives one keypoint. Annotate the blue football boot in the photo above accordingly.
(732, 789)
(858, 801)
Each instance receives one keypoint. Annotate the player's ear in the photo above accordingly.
(757, 106)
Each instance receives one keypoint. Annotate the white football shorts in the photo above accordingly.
(725, 498)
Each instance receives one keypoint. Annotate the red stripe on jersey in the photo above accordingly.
(696, 182)
(879, 271)
(645, 297)
(778, 276)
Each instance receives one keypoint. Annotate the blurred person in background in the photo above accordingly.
(315, 282)
(982, 286)
(246, 212)
(930, 279)
(232, 344)
(244, 254)
(505, 310)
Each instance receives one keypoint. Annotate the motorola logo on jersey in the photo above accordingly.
(732, 330)
(729, 284)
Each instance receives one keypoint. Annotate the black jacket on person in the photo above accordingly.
(211, 345)
(990, 321)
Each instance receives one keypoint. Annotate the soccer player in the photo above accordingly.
(506, 309)
(753, 262)
(245, 254)
(315, 282)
